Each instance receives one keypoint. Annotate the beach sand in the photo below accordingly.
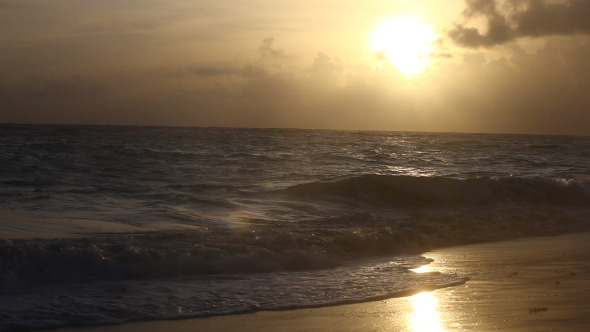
(538, 284)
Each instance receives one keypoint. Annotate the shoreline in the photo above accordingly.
(539, 284)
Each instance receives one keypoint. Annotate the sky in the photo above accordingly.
(495, 66)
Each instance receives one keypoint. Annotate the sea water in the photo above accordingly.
(103, 224)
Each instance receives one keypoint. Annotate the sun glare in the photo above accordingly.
(406, 42)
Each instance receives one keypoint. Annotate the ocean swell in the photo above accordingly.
(425, 192)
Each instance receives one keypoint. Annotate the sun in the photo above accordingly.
(406, 42)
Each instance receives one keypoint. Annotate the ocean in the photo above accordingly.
(105, 224)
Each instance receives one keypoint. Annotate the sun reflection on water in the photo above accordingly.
(422, 269)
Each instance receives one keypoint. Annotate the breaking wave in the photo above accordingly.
(381, 215)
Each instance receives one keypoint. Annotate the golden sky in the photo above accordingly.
(509, 66)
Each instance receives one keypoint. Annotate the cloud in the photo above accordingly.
(65, 99)
(323, 65)
(74, 86)
(247, 71)
(381, 56)
(540, 92)
(511, 19)
(267, 51)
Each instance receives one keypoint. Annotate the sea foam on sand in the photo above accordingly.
(537, 284)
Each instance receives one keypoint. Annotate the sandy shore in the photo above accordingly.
(540, 284)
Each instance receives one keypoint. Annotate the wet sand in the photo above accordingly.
(538, 284)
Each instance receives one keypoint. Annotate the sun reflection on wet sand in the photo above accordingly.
(425, 315)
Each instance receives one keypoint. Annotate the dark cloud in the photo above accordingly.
(511, 19)
(545, 18)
